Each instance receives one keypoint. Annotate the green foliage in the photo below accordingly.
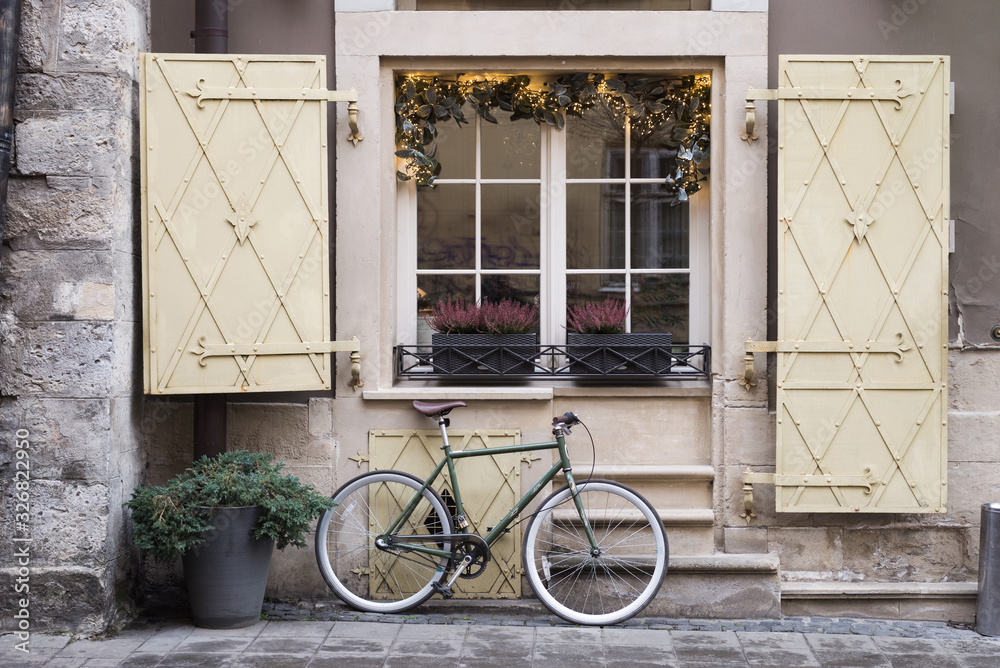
(679, 103)
(607, 317)
(170, 519)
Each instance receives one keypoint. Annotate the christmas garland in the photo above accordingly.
(682, 103)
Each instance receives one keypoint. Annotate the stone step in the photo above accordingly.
(931, 601)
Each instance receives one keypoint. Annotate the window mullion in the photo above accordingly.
(554, 235)
(479, 211)
(628, 224)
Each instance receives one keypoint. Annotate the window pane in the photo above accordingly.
(456, 150)
(595, 145)
(650, 158)
(595, 226)
(431, 290)
(661, 304)
(594, 288)
(518, 287)
(659, 230)
(511, 216)
(446, 227)
(511, 149)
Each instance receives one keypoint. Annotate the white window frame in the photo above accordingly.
(553, 272)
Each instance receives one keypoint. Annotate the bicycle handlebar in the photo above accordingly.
(567, 419)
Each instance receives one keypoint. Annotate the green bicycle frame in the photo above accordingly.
(449, 460)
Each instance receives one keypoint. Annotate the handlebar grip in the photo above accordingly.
(568, 418)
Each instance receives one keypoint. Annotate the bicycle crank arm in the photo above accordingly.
(462, 565)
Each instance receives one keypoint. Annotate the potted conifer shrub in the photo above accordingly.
(598, 344)
(488, 338)
(223, 517)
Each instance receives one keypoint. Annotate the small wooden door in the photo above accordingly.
(862, 366)
(490, 487)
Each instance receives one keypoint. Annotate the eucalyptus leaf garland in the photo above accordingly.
(680, 105)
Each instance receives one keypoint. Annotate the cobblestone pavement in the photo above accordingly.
(511, 634)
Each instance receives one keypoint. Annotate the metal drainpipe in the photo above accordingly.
(211, 35)
(10, 35)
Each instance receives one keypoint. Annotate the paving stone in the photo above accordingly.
(431, 646)
(776, 649)
(272, 661)
(567, 635)
(362, 630)
(297, 630)
(347, 661)
(643, 637)
(208, 645)
(193, 660)
(635, 655)
(707, 646)
(354, 646)
(422, 662)
(854, 651)
(140, 660)
(100, 649)
(284, 645)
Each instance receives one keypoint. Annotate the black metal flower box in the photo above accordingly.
(633, 353)
(497, 354)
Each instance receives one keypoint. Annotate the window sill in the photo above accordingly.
(435, 392)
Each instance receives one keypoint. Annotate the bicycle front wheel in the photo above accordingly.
(381, 578)
(603, 585)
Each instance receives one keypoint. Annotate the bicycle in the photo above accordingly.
(595, 552)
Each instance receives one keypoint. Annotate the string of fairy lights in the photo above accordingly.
(673, 112)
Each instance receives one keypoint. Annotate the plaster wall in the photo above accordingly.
(68, 288)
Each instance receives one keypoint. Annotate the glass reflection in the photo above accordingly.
(595, 144)
(659, 230)
(510, 226)
(595, 226)
(511, 149)
(660, 304)
(431, 290)
(456, 151)
(446, 227)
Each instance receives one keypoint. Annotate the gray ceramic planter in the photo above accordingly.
(226, 575)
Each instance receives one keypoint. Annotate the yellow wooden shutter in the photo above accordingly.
(235, 224)
(862, 365)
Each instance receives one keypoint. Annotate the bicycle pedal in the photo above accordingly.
(446, 592)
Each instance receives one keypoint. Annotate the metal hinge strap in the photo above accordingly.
(352, 346)
(895, 95)
(202, 93)
(897, 348)
(204, 350)
(795, 93)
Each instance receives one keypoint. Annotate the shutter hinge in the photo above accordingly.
(897, 348)
(204, 350)
(202, 93)
(751, 478)
(894, 94)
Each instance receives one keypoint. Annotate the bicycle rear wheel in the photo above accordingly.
(603, 586)
(381, 579)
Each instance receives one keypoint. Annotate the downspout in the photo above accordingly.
(211, 35)
(10, 35)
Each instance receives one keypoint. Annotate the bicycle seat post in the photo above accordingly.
(444, 423)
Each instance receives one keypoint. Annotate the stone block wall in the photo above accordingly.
(70, 322)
